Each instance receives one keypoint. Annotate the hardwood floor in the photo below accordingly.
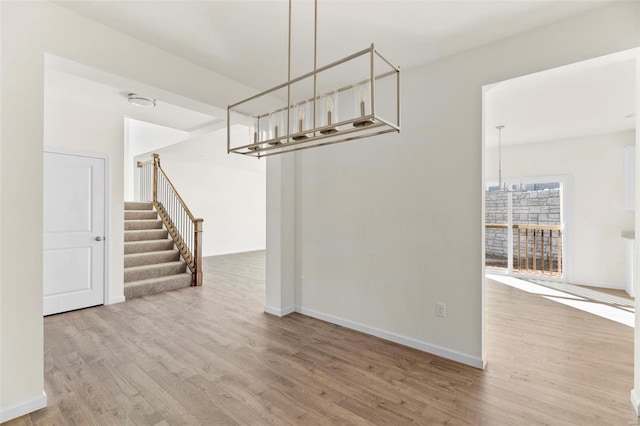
(210, 356)
(612, 292)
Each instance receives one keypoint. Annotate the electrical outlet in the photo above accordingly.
(441, 310)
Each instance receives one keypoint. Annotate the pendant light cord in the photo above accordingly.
(315, 60)
(315, 65)
(289, 76)
(500, 157)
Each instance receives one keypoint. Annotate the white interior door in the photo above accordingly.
(74, 231)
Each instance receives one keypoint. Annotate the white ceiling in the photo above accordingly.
(588, 98)
(61, 85)
(247, 40)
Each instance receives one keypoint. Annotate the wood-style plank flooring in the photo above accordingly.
(210, 356)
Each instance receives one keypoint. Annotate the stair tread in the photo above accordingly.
(148, 241)
(140, 236)
(154, 256)
(144, 230)
(138, 205)
(149, 253)
(145, 246)
(140, 215)
(163, 278)
(133, 289)
(142, 224)
(141, 243)
(156, 265)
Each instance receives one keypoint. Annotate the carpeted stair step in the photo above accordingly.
(137, 225)
(145, 234)
(147, 246)
(156, 285)
(144, 272)
(140, 214)
(138, 205)
(151, 262)
(151, 258)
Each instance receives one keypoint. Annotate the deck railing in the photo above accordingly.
(537, 249)
(183, 227)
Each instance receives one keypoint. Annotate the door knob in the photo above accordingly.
(98, 238)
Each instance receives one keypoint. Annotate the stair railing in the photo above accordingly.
(534, 250)
(531, 257)
(183, 227)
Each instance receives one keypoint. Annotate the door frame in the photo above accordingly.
(107, 212)
(566, 213)
(635, 392)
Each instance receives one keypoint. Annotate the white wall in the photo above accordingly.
(387, 227)
(227, 191)
(598, 215)
(145, 137)
(81, 128)
(28, 31)
(141, 137)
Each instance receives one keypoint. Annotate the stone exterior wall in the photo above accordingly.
(537, 207)
(496, 212)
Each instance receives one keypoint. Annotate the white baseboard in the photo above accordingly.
(279, 312)
(114, 300)
(23, 408)
(635, 401)
(467, 359)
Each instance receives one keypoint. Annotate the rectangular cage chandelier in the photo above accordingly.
(353, 98)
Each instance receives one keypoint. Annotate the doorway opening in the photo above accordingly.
(556, 212)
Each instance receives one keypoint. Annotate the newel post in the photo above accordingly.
(198, 251)
(156, 166)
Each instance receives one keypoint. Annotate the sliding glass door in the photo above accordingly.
(524, 228)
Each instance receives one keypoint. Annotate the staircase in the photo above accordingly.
(151, 262)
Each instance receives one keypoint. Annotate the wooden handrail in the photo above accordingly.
(156, 161)
(517, 226)
(539, 227)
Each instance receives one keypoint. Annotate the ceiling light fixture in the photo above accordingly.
(141, 101)
(369, 105)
